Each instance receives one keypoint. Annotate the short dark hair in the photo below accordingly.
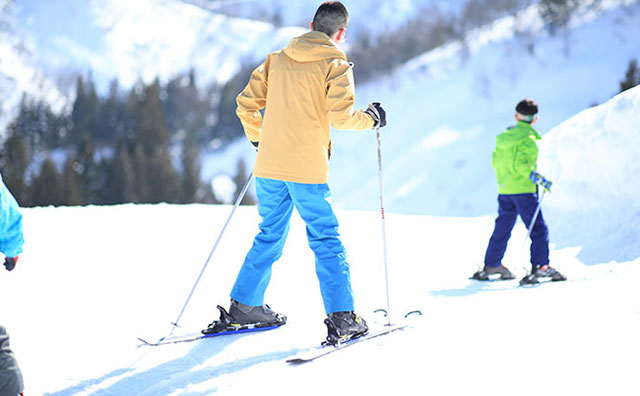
(330, 17)
(527, 107)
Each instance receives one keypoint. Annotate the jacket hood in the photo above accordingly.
(313, 46)
(515, 134)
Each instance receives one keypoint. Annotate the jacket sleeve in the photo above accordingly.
(11, 238)
(340, 99)
(251, 100)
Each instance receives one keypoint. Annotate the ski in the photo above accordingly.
(522, 282)
(200, 335)
(533, 281)
(328, 349)
(548, 275)
(491, 280)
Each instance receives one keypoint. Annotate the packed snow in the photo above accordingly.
(94, 279)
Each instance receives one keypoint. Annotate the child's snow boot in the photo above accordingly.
(486, 273)
(542, 271)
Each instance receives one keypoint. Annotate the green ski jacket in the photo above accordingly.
(514, 158)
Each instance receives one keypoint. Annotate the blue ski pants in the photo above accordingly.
(509, 207)
(276, 200)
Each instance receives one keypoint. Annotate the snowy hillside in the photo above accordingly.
(49, 42)
(93, 279)
(144, 39)
(19, 74)
(446, 107)
(161, 38)
(593, 160)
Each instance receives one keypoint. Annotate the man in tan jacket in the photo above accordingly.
(305, 89)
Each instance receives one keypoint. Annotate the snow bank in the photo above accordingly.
(93, 279)
(592, 158)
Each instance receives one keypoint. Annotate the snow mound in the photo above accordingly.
(592, 160)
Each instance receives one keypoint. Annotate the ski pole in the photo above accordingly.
(235, 206)
(535, 214)
(384, 229)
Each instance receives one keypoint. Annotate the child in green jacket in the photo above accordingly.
(514, 160)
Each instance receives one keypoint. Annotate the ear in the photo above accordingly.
(340, 34)
(534, 121)
(516, 117)
(311, 25)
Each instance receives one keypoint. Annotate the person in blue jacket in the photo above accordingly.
(11, 241)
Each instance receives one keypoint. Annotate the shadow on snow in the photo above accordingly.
(177, 374)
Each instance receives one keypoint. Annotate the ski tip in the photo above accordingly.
(383, 311)
(297, 361)
(416, 312)
(144, 342)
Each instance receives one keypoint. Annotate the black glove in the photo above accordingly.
(10, 262)
(378, 114)
(255, 144)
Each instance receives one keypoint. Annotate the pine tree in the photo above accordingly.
(228, 125)
(631, 76)
(110, 121)
(141, 192)
(70, 183)
(155, 177)
(191, 183)
(46, 187)
(186, 109)
(240, 179)
(14, 161)
(33, 124)
(119, 176)
(89, 178)
(85, 110)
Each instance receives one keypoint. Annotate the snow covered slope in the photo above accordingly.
(94, 279)
(446, 107)
(145, 39)
(593, 160)
(20, 74)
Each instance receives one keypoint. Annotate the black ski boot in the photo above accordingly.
(245, 314)
(243, 317)
(344, 326)
(542, 272)
(486, 273)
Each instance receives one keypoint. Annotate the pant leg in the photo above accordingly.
(275, 207)
(332, 269)
(11, 382)
(527, 204)
(507, 215)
